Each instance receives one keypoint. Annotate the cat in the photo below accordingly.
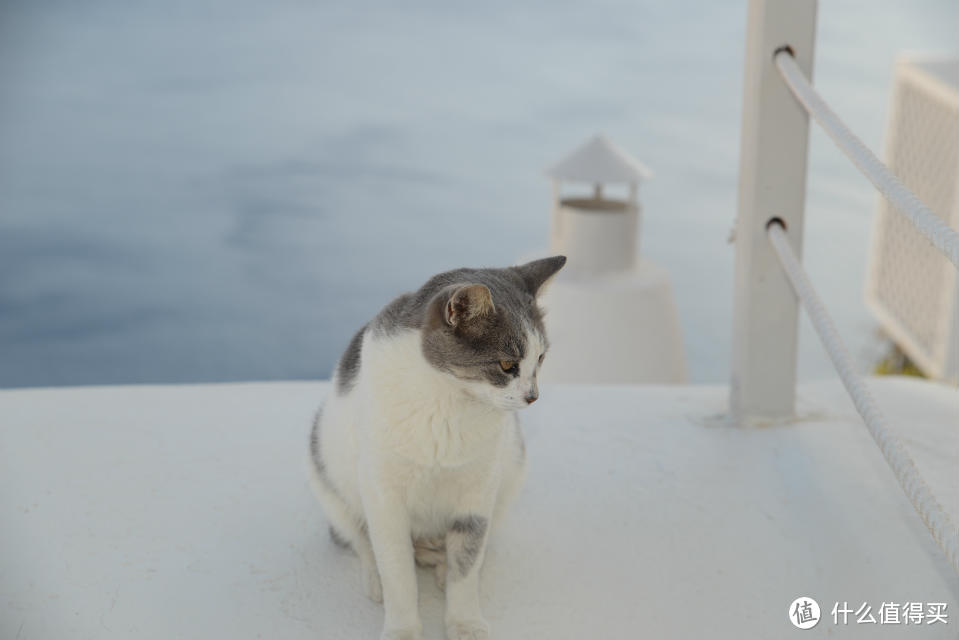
(417, 449)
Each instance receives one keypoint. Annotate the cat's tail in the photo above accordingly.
(430, 552)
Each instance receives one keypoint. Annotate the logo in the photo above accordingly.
(804, 612)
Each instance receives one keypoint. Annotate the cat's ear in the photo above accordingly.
(468, 302)
(536, 273)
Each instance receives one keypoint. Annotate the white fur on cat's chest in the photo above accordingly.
(439, 442)
(415, 412)
(434, 496)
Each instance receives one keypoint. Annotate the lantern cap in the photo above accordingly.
(599, 161)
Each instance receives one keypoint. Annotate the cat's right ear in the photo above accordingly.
(468, 302)
(536, 273)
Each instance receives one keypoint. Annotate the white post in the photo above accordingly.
(772, 184)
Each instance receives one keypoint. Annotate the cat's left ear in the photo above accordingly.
(536, 273)
(468, 302)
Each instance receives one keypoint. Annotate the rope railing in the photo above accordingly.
(902, 199)
(936, 519)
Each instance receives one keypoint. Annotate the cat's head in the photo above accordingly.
(484, 328)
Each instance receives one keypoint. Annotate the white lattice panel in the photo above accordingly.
(912, 288)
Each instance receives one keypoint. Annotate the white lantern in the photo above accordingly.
(611, 315)
(596, 232)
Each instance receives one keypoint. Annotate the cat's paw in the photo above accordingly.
(371, 584)
(400, 634)
(467, 630)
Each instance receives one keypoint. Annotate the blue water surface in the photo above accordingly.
(211, 191)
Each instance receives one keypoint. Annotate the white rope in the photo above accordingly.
(905, 201)
(936, 519)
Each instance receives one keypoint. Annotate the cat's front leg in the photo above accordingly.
(465, 549)
(389, 529)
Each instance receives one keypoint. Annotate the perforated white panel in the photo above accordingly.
(911, 287)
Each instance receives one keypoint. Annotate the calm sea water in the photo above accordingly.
(199, 191)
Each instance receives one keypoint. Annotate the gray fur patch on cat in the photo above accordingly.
(464, 542)
(316, 454)
(338, 539)
(315, 443)
(349, 365)
(316, 457)
(470, 320)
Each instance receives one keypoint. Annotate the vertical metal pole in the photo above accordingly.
(772, 184)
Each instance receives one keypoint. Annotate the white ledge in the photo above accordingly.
(184, 512)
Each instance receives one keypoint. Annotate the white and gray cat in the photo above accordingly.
(417, 450)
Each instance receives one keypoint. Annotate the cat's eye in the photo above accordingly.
(507, 365)
(541, 356)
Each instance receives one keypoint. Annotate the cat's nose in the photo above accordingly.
(531, 398)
